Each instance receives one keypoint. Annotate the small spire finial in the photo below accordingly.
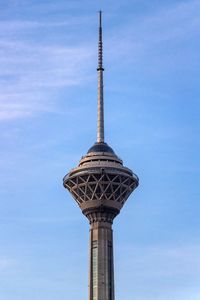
(100, 18)
(100, 125)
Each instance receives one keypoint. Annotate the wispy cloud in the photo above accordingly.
(6, 263)
(167, 270)
(30, 69)
(38, 221)
(148, 36)
(32, 66)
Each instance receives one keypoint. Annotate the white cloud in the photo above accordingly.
(143, 37)
(170, 271)
(6, 263)
(30, 70)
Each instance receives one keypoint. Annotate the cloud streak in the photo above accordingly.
(30, 70)
(163, 269)
(149, 36)
(31, 67)
(6, 263)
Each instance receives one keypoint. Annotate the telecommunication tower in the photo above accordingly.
(101, 184)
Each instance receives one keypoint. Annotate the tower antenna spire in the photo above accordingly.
(100, 69)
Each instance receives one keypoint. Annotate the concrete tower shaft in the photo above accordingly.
(101, 184)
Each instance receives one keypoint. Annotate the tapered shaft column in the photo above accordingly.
(101, 275)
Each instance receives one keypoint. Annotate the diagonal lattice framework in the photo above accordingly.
(88, 187)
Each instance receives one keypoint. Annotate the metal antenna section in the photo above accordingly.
(100, 69)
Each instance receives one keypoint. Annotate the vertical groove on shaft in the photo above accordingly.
(100, 125)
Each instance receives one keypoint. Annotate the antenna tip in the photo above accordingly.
(100, 13)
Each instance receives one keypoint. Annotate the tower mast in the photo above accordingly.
(100, 69)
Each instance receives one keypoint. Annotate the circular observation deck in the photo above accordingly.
(100, 182)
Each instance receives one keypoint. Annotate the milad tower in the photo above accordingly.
(101, 184)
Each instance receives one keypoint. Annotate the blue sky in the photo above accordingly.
(48, 103)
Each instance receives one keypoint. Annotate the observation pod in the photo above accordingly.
(101, 184)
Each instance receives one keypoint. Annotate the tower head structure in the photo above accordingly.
(101, 184)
